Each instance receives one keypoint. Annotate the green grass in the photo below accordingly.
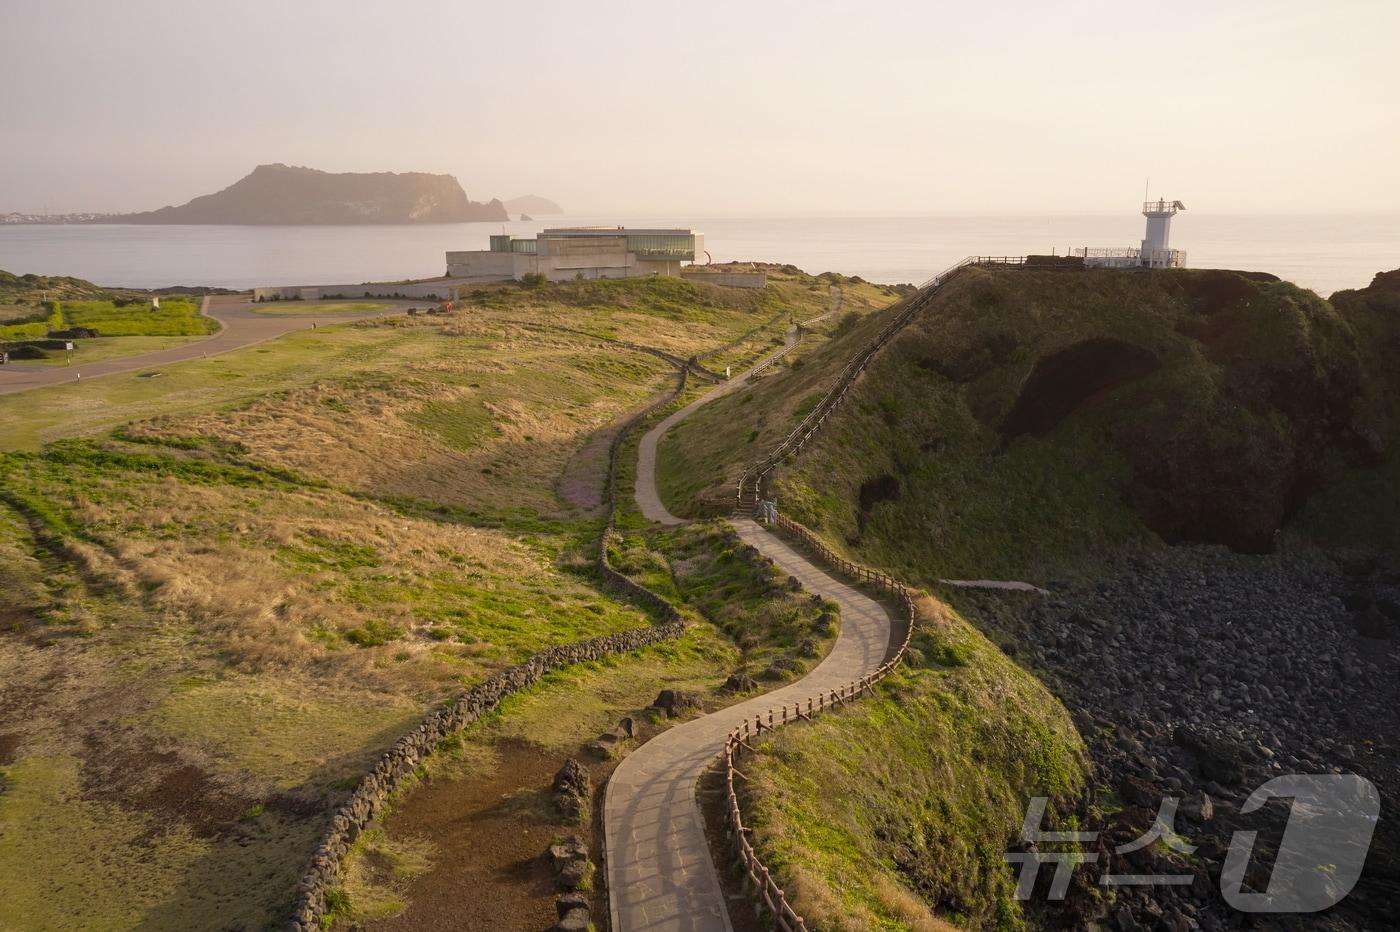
(1207, 446)
(175, 317)
(278, 559)
(100, 348)
(96, 865)
(29, 419)
(303, 308)
(943, 761)
(289, 737)
(24, 331)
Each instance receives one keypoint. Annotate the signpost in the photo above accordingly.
(69, 347)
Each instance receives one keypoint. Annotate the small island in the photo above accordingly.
(280, 194)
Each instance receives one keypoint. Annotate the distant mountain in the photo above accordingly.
(286, 194)
(533, 204)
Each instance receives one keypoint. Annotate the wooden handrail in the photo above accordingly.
(767, 890)
(797, 438)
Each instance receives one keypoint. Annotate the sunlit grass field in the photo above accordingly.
(231, 586)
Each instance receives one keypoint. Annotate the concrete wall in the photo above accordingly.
(610, 261)
(485, 265)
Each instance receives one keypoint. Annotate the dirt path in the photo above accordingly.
(242, 327)
(660, 874)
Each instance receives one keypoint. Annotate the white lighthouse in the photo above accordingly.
(1156, 249)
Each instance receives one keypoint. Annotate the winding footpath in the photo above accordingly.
(660, 875)
(241, 327)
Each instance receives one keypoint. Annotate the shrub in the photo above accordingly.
(846, 324)
(373, 633)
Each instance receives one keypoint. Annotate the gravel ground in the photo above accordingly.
(1199, 674)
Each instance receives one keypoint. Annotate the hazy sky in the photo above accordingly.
(755, 107)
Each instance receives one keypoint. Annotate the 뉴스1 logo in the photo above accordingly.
(1320, 857)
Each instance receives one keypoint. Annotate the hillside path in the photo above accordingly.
(660, 876)
(644, 489)
(242, 327)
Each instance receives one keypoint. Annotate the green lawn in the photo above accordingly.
(99, 348)
(304, 308)
(175, 317)
(30, 418)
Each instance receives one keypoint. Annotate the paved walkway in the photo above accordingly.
(644, 489)
(241, 328)
(660, 876)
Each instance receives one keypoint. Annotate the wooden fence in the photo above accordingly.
(751, 482)
(768, 894)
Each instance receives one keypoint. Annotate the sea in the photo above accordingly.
(1323, 252)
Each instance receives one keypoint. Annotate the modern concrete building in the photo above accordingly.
(1155, 252)
(579, 252)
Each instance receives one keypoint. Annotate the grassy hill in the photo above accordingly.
(1026, 425)
(1028, 420)
(231, 587)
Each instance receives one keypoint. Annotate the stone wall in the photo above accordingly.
(402, 759)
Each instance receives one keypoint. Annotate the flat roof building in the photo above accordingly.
(567, 253)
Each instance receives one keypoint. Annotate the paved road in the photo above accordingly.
(660, 876)
(241, 328)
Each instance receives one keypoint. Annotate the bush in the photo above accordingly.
(373, 633)
(533, 280)
(846, 324)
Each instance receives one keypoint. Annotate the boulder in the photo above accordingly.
(739, 683)
(1198, 808)
(1216, 759)
(571, 876)
(780, 668)
(567, 852)
(568, 902)
(675, 703)
(575, 920)
(571, 789)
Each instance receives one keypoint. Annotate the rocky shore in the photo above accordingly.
(1199, 674)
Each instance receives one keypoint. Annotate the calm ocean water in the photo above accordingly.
(1322, 252)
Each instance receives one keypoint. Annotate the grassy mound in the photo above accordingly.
(1029, 420)
(943, 763)
(1359, 503)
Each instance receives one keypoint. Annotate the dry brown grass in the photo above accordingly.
(207, 660)
(491, 422)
